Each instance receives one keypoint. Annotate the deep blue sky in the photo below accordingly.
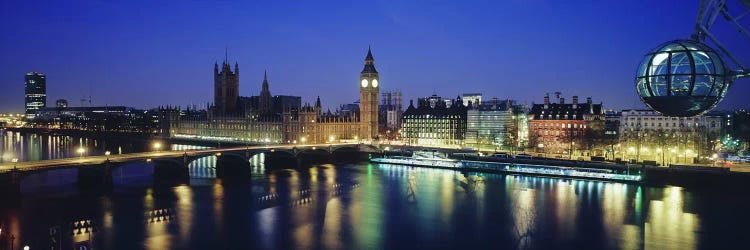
(151, 53)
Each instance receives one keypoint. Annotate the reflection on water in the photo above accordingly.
(204, 167)
(33, 147)
(669, 225)
(371, 206)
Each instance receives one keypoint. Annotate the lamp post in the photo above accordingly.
(107, 153)
(81, 150)
(157, 146)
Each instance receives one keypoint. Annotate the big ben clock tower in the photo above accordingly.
(369, 89)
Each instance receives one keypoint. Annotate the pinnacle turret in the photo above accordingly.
(369, 62)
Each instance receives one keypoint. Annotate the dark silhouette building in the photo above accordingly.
(265, 102)
(226, 89)
(61, 103)
(36, 93)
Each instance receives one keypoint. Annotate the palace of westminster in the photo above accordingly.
(278, 119)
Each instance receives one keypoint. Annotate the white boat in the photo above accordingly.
(435, 161)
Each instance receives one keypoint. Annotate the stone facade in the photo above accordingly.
(305, 124)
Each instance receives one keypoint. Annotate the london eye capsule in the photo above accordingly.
(682, 78)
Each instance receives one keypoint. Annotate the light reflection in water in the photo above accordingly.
(218, 204)
(184, 210)
(396, 203)
(33, 147)
(204, 167)
(668, 226)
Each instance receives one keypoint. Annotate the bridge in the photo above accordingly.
(173, 165)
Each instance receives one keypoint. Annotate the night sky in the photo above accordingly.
(146, 54)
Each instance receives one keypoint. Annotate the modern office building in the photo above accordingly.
(488, 127)
(497, 125)
(36, 93)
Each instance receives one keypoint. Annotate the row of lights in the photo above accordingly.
(81, 150)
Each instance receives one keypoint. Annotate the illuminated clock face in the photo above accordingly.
(375, 83)
(364, 83)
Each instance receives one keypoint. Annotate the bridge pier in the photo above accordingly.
(170, 171)
(95, 176)
(232, 167)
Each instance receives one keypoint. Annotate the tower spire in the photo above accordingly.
(369, 62)
(369, 57)
(265, 87)
(226, 54)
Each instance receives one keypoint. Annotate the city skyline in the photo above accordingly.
(142, 63)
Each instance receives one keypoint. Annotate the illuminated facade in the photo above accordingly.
(102, 119)
(280, 119)
(433, 123)
(369, 90)
(561, 128)
(489, 126)
(36, 93)
(497, 124)
(648, 135)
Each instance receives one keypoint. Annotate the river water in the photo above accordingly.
(359, 206)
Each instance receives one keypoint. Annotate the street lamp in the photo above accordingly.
(330, 139)
(81, 150)
(157, 146)
(107, 153)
